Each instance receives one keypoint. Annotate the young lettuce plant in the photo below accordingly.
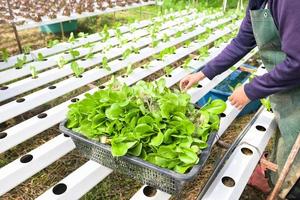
(105, 64)
(77, 70)
(40, 57)
(266, 103)
(129, 69)
(52, 43)
(4, 55)
(126, 53)
(27, 49)
(168, 70)
(72, 38)
(61, 62)
(74, 53)
(186, 63)
(20, 62)
(82, 35)
(90, 54)
(33, 72)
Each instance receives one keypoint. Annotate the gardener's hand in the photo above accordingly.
(239, 98)
(191, 79)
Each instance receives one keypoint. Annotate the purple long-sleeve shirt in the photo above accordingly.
(284, 76)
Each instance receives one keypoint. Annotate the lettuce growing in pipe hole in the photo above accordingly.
(147, 120)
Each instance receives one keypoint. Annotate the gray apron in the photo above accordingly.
(286, 105)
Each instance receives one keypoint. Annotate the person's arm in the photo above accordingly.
(237, 49)
(285, 75)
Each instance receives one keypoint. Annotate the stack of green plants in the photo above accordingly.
(147, 120)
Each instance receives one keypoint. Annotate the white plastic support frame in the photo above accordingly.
(63, 46)
(43, 149)
(19, 170)
(77, 183)
(33, 100)
(232, 179)
(13, 73)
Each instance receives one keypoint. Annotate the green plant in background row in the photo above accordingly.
(27, 49)
(33, 72)
(52, 43)
(186, 63)
(88, 45)
(187, 43)
(129, 69)
(266, 103)
(105, 33)
(40, 57)
(4, 54)
(20, 62)
(126, 53)
(203, 53)
(74, 53)
(166, 38)
(77, 70)
(71, 38)
(61, 62)
(142, 121)
(90, 54)
(82, 35)
(104, 63)
(168, 70)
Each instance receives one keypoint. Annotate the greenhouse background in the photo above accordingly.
(87, 95)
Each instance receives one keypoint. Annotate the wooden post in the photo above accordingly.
(14, 27)
(62, 30)
(286, 169)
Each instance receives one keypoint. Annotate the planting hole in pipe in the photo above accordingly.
(260, 128)
(66, 52)
(83, 59)
(26, 158)
(66, 135)
(74, 100)
(149, 191)
(101, 87)
(124, 76)
(20, 100)
(59, 189)
(246, 151)
(42, 115)
(52, 87)
(4, 87)
(199, 86)
(3, 135)
(263, 67)
(228, 181)
(223, 115)
(168, 75)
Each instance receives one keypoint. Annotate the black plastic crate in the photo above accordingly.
(147, 173)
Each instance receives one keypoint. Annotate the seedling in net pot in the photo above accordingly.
(52, 43)
(126, 53)
(168, 70)
(4, 55)
(74, 53)
(33, 72)
(40, 57)
(82, 35)
(76, 69)
(27, 50)
(186, 63)
(90, 54)
(105, 64)
(20, 62)
(129, 69)
(72, 38)
(61, 62)
(203, 53)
